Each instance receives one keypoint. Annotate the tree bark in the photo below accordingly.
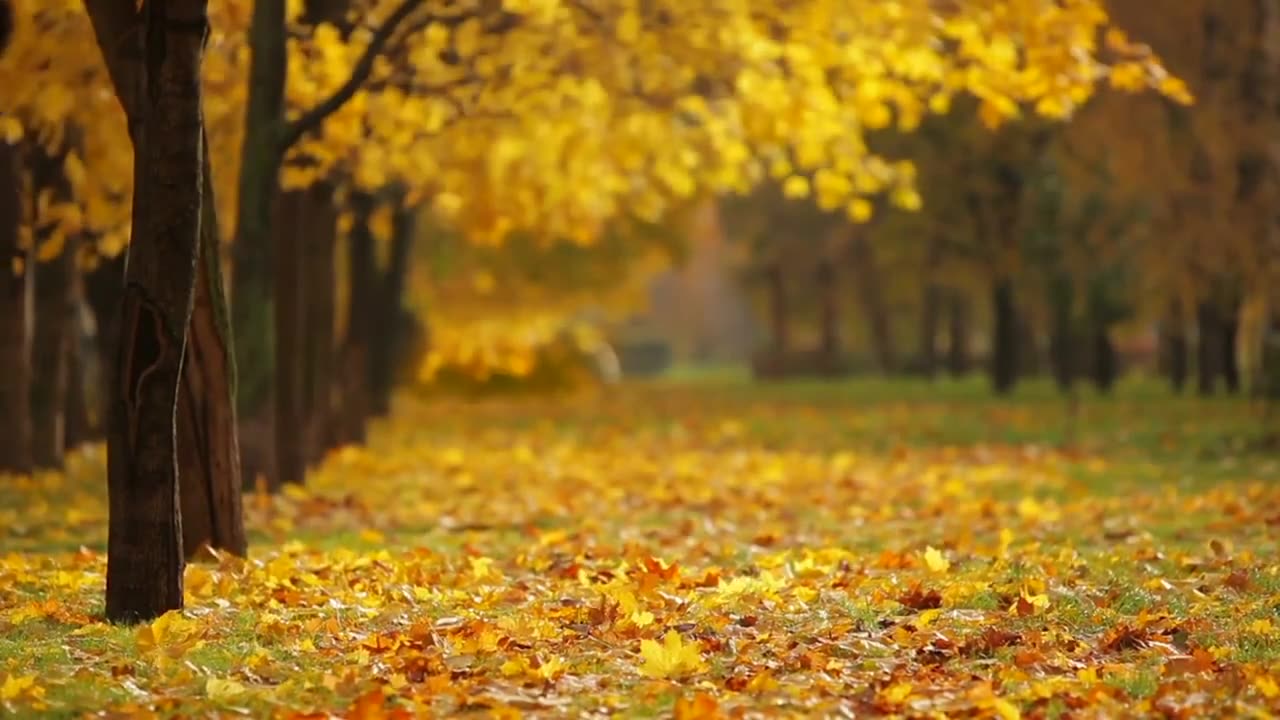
(362, 273)
(80, 425)
(958, 363)
(871, 296)
(1004, 337)
(252, 306)
(208, 447)
(320, 280)
(144, 547)
(387, 343)
(930, 319)
(829, 321)
(1230, 357)
(1105, 362)
(1063, 340)
(15, 321)
(1208, 348)
(102, 288)
(54, 302)
(779, 321)
(290, 451)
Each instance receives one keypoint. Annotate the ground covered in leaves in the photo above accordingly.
(698, 550)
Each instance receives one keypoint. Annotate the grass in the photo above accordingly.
(495, 556)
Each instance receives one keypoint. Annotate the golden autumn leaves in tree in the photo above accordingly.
(555, 116)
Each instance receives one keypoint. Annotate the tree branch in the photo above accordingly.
(312, 119)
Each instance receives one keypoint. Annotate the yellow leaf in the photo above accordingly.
(672, 658)
(1267, 686)
(15, 685)
(1006, 710)
(935, 560)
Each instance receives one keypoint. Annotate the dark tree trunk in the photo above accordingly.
(1175, 350)
(144, 547)
(15, 321)
(80, 425)
(829, 346)
(930, 319)
(1004, 338)
(208, 447)
(1063, 341)
(320, 279)
(1230, 359)
(386, 343)
(871, 296)
(779, 322)
(1105, 362)
(54, 301)
(102, 289)
(362, 293)
(1029, 360)
(958, 363)
(1208, 348)
(290, 450)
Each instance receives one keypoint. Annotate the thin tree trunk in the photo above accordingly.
(871, 295)
(15, 321)
(930, 319)
(80, 427)
(51, 341)
(1208, 348)
(1004, 337)
(1230, 358)
(362, 270)
(290, 451)
(1063, 340)
(320, 280)
(1176, 349)
(958, 363)
(144, 547)
(252, 306)
(829, 338)
(779, 321)
(386, 343)
(208, 447)
(102, 288)
(1105, 361)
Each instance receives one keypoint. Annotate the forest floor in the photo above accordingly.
(698, 549)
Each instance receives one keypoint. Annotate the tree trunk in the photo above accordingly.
(1230, 358)
(1063, 353)
(102, 289)
(1175, 350)
(362, 272)
(386, 342)
(144, 546)
(252, 308)
(1105, 362)
(54, 302)
(1208, 348)
(208, 447)
(829, 346)
(320, 280)
(80, 426)
(15, 321)
(779, 321)
(930, 319)
(871, 295)
(958, 335)
(1004, 338)
(290, 451)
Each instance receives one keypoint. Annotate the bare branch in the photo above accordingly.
(312, 119)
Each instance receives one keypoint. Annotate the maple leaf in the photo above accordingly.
(672, 658)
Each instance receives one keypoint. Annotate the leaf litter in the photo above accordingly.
(516, 559)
